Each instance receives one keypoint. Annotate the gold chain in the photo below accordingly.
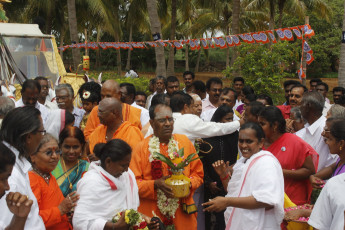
(65, 169)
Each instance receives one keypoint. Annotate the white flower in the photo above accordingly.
(86, 95)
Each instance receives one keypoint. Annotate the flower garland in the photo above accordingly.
(167, 206)
(133, 219)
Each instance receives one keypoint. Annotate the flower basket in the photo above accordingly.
(179, 183)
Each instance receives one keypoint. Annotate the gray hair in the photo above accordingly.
(67, 87)
(161, 78)
(6, 105)
(337, 111)
(296, 111)
(46, 138)
(315, 100)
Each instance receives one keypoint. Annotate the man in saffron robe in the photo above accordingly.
(112, 125)
(146, 172)
(111, 89)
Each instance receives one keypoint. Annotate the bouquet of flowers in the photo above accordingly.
(132, 218)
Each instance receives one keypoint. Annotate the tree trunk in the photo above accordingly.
(98, 51)
(186, 57)
(128, 64)
(197, 62)
(156, 28)
(272, 9)
(72, 22)
(171, 60)
(341, 71)
(118, 58)
(235, 26)
(281, 8)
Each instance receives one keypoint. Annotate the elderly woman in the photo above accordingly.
(336, 111)
(17, 203)
(70, 168)
(22, 131)
(335, 138)
(255, 189)
(107, 188)
(297, 158)
(52, 204)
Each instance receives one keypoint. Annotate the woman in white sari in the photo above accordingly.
(255, 198)
(107, 188)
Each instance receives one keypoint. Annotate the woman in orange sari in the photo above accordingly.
(53, 207)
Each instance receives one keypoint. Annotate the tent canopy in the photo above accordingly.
(25, 30)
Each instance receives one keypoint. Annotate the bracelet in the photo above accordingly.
(226, 177)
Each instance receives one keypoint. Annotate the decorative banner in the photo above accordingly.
(301, 73)
(285, 34)
(310, 58)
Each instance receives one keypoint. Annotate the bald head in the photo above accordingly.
(110, 111)
(110, 89)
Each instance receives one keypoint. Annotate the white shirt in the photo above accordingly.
(207, 115)
(131, 74)
(328, 212)
(194, 127)
(265, 182)
(78, 116)
(50, 105)
(312, 135)
(19, 182)
(206, 104)
(149, 99)
(326, 108)
(44, 111)
(99, 202)
(144, 115)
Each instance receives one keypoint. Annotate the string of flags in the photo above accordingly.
(263, 37)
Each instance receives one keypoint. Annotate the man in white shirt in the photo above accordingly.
(238, 84)
(42, 98)
(64, 99)
(127, 96)
(227, 97)
(311, 108)
(30, 93)
(214, 87)
(160, 85)
(322, 88)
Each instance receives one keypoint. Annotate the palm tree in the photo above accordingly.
(156, 29)
(171, 59)
(341, 71)
(73, 29)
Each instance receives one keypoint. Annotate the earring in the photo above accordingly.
(341, 148)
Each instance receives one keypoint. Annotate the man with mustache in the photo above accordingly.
(295, 99)
(151, 173)
(42, 98)
(31, 90)
(213, 87)
(111, 89)
(112, 125)
(65, 98)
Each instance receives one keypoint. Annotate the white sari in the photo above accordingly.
(102, 196)
(55, 122)
(260, 176)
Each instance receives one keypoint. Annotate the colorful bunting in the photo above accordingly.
(288, 34)
(309, 58)
(271, 34)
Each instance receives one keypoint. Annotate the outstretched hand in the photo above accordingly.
(217, 204)
(221, 168)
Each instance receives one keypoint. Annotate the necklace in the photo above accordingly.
(45, 176)
(65, 169)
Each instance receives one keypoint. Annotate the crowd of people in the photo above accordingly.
(73, 160)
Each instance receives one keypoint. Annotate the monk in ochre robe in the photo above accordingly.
(162, 125)
(112, 125)
(111, 89)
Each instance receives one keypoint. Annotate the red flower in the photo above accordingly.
(142, 225)
(168, 221)
(156, 164)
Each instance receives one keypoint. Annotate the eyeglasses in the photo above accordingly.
(43, 132)
(50, 152)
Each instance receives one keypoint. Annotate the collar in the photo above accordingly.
(23, 164)
(317, 124)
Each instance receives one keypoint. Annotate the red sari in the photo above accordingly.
(291, 151)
